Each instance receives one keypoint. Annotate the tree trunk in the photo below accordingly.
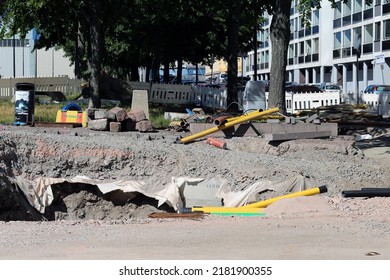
(134, 74)
(280, 38)
(166, 72)
(179, 74)
(95, 54)
(233, 24)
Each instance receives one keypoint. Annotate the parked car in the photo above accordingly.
(328, 87)
(299, 88)
(377, 89)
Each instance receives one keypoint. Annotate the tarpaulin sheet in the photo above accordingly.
(40, 195)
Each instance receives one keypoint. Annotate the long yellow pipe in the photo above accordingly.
(241, 119)
(221, 209)
(265, 203)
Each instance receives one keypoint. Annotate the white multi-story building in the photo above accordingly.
(19, 59)
(325, 51)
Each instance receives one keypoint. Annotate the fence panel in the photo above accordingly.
(63, 84)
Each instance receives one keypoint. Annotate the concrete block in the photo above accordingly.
(311, 118)
(91, 113)
(202, 193)
(120, 113)
(137, 115)
(140, 100)
(115, 127)
(317, 121)
(144, 126)
(254, 129)
(101, 125)
(290, 120)
(104, 114)
(297, 135)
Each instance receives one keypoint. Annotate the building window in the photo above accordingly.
(337, 40)
(347, 9)
(357, 7)
(337, 10)
(347, 38)
(377, 31)
(301, 48)
(291, 51)
(315, 17)
(368, 34)
(308, 47)
(386, 30)
(316, 45)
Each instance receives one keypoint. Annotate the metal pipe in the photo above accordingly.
(221, 120)
(265, 203)
(241, 119)
(366, 193)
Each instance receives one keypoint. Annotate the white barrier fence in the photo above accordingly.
(208, 97)
(377, 103)
(215, 98)
(63, 84)
(306, 101)
(184, 94)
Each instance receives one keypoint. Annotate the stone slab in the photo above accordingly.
(140, 100)
(202, 193)
(258, 129)
(296, 135)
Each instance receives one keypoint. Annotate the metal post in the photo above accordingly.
(23, 59)
(357, 77)
(13, 55)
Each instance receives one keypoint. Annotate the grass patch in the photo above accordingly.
(48, 113)
(156, 117)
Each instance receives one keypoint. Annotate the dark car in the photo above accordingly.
(299, 88)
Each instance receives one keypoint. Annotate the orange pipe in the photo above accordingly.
(215, 142)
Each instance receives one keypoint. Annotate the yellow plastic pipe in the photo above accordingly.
(228, 124)
(221, 209)
(265, 203)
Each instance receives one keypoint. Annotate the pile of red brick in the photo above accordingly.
(117, 120)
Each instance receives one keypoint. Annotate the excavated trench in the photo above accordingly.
(30, 153)
(54, 155)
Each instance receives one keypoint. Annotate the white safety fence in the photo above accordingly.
(184, 94)
(378, 103)
(63, 84)
(306, 101)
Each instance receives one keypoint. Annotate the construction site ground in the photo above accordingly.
(323, 226)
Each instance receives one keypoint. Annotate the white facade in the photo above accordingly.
(325, 51)
(18, 59)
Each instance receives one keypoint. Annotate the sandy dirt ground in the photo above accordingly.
(320, 227)
(296, 228)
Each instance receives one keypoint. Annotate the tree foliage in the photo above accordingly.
(125, 35)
